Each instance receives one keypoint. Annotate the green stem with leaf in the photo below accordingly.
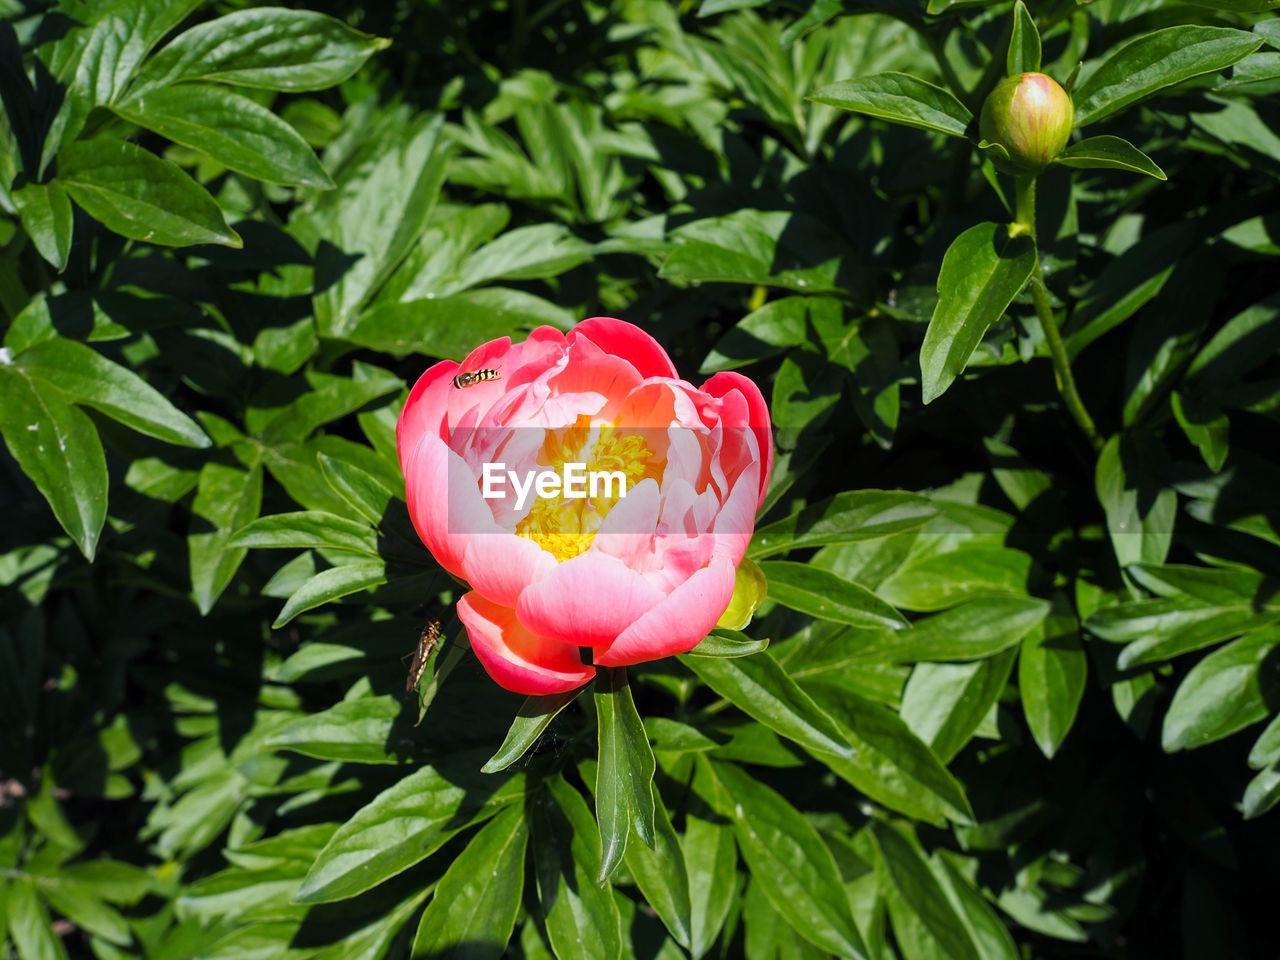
(1025, 221)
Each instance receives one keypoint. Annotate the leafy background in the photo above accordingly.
(1019, 696)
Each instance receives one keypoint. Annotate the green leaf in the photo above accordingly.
(1024, 43)
(982, 271)
(1228, 690)
(57, 446)
(473, 911)
(358, 731)
(847, 517)
(1242, 344)
(822, 594)
(988, 932)
(230, 128)
(1140, 509)
(1109, 152)
(270, 48)
(1205, 425)
(140, 196)
(29, 926)
(1267, 749)
(97, 62)
(1159, 629)
(889, 763)
(728, 643)
(227, 498)
(760, 688)
(450, 327)
(1052, 668)
(332, 584)
(46, 216)
(624, 775)
(899, 98)
(941, 580)
(1155, 61)
(786, 856)
(1262, 793)
(770, 248)
(374, 220)
(976, 628)
(661, 875)
(944, 703)
(86, 376)
(367, 494)
(307, 529)
(401, 826)
(533, 717)
(921, 892)
(566, 864)
(711, 861)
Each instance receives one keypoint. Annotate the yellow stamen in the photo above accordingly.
(566, 527)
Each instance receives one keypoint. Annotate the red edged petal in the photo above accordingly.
(515, 658)
(758, 415)
(628, 341)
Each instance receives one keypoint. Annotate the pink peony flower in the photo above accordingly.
(632, 574)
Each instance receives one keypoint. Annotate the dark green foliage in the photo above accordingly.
(1015, 691)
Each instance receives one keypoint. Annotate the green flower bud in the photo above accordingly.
(1030, 116)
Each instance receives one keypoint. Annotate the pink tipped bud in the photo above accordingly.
(1030, 116)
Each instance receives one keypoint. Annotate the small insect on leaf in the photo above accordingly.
(471, 378)
(421, 654)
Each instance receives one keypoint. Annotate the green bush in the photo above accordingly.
(1015, 686)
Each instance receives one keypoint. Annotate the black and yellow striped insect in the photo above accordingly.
(421, 654)
(471, 378)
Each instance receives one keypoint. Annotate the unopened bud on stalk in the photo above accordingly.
(1030, 116)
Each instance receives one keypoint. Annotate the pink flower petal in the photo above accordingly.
(758, 415)
(499, 566)
(678, 623)
(444, 502)
(424, 410)
(628, 341)
(587, 600)
(515, 658)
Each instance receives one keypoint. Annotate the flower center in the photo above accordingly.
(566, 526)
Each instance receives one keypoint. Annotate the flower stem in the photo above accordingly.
(1025, 221)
